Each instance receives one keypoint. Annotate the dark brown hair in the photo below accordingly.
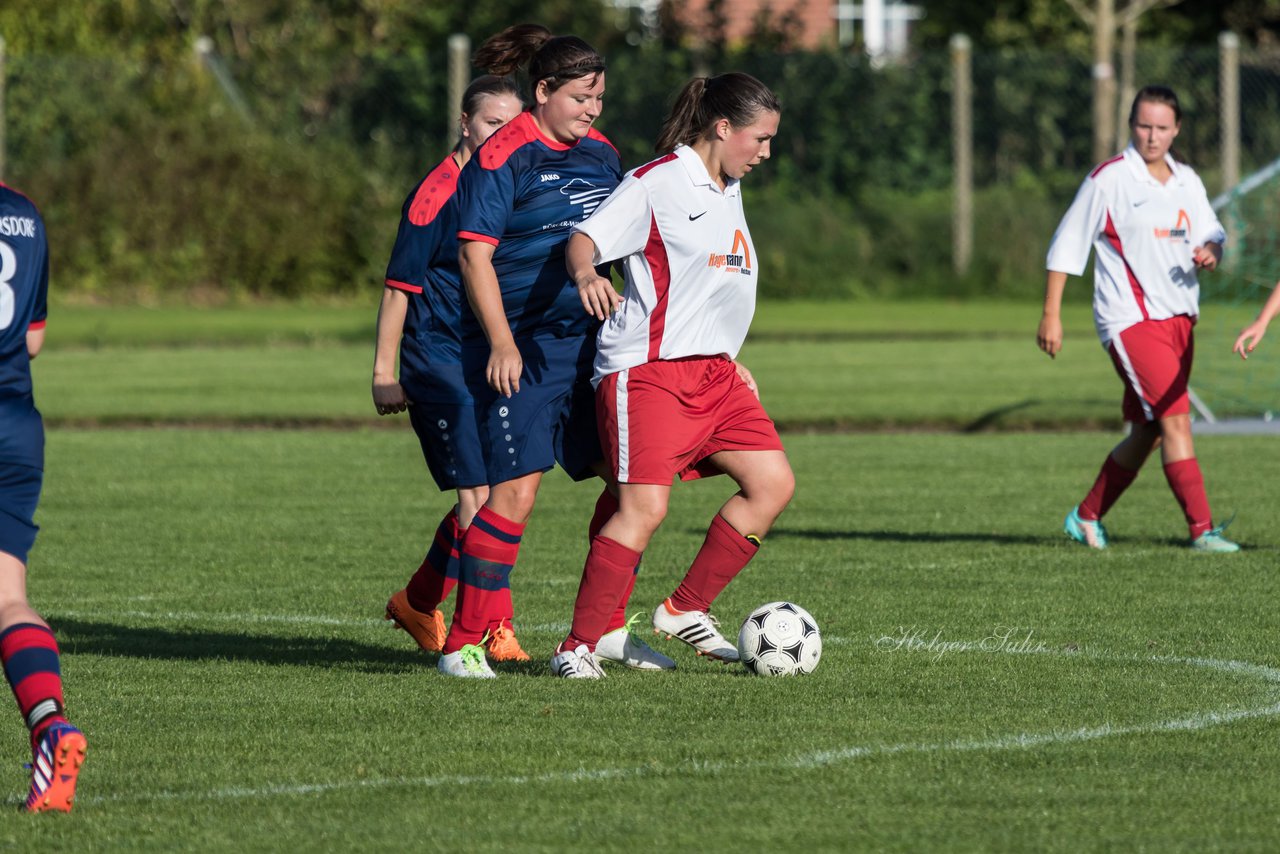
(555, 59)
(1155, 95)
(484, 86)
(703, 101)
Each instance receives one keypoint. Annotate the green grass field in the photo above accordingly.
(985, 685)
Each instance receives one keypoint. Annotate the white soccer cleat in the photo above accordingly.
(467, 662)
(576, 663)
(625, 648)
(697, 628)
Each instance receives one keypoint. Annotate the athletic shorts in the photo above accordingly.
(665, 418)
(552, 419)
(450, 442)
(19, 494)
(1153, 359)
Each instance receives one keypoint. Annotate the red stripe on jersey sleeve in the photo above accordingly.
(1113, 237)
(36, 324)
(509, 139)
(436, 189)
(655, 253)
(403, 286)
(483, 238)
(640, 171)
(1104, 164)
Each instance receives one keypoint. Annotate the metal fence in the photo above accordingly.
(128, 143)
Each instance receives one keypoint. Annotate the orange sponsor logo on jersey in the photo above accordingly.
(738, 259)
(1180, 229)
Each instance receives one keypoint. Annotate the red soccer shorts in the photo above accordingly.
(663, 419)
(1153, 358)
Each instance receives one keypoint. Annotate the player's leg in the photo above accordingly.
(1186, 481)
(766, 484)
(1131, 356)
(606, 506)
(32, 667)
(744, 444)
(488, 555)
(450, 445)
(1165, 367)
(607, 579)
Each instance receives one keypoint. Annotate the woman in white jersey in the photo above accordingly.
(670, 399)
(1148, 218)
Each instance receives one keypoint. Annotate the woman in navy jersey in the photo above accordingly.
(419, 316)
(27, 647)
(670, 398)
(527, 346)
(1148, 218)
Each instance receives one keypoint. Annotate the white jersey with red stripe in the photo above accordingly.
(1143, 232)
(690, 266)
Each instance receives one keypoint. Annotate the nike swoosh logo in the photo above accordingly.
(692, 217)
(1139, 204)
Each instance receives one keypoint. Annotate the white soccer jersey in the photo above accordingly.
(1143, 232)
(690, 266)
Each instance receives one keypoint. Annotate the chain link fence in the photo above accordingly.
(287, 181)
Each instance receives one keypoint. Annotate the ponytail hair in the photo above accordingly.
(737, 97)
(555, 59)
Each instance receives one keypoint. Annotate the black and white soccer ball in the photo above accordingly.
(780, 639)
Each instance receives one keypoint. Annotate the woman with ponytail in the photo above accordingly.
(1146, 217)
(527, 346)
(670, 398)
(421, 305)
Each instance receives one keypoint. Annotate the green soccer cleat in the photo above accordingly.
(1212, 541)
(1089, 532)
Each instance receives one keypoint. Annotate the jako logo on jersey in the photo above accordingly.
(1180, 229)
(584, 193)
(549, 176)
(739, 258)
(17, 226)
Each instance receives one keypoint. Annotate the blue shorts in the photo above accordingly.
(19, 494)
(450, 442)
(552, 419)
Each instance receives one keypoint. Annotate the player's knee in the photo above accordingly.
(646, 512)
(513, 500)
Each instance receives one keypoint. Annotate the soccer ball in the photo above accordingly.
(779, 639)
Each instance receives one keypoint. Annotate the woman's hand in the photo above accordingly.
(504, 369)
(388, 396)
(1249, 338)
(1049, 335)
(1207, 257)
(598, 295)
(745, 376)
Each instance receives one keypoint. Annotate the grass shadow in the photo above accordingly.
(913, 536)
(112, 639)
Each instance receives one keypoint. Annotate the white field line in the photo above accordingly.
(1018, 741)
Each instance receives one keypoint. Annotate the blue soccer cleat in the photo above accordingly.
(1089, 532)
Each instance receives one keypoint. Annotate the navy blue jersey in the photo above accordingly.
(24, 290)
(523, 192)
(424, 263)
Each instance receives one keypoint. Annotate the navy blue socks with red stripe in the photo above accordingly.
(488, 554)
(436, 577)
(31, 664)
